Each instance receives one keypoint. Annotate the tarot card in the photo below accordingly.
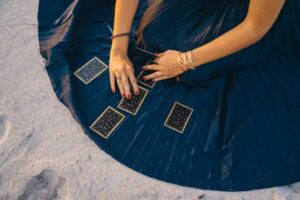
(145, 54)
(91, 70)
(133, 104)
(107, 122)
(146, 51)
(178, 117)
(148, 83)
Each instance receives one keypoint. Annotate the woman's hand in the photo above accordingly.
(121, 71)
(167, 66)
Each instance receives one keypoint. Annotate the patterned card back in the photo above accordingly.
(148, 83)
(133, 104)
(107, 122)
(91, 70)
(178, 117)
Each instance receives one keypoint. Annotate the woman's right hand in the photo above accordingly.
(121, 71)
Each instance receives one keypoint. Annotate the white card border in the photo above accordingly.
(145, 84)
(187, 120)
(94, 58)
(101, 134)
(139, 105)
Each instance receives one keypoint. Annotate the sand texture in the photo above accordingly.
(44, 153)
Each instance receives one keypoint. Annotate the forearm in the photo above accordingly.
(260, 18)
(236, 39)
(124, 14)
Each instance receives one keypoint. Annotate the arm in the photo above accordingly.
(260, 18)
(120, 67)
(124, 13)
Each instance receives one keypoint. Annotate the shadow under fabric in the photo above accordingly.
(244, 131)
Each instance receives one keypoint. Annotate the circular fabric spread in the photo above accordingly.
(232, 124)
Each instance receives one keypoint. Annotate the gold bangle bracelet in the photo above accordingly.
(185, 59)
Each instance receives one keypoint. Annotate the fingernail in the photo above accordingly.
(128, 96)
(145, 78)
(123, 95)
(137, 92)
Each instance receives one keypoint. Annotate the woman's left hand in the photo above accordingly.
(166, 66)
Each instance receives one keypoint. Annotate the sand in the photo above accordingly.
(44, 153)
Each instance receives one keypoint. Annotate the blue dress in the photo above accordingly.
(231, 125)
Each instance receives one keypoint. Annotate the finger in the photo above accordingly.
(153, 75)
(151, 67)
(132, 78)
(126, 85)
(112, 82)
(133, 82)
(120, 85)
(160, 78)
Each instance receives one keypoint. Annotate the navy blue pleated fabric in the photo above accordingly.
(244, 131)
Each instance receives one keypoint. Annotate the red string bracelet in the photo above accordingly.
(120, 35)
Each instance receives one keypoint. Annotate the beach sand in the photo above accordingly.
(44, 153)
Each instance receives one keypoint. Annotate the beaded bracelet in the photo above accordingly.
(119, 35)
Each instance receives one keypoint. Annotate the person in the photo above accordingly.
(252, 28)
(198, 93)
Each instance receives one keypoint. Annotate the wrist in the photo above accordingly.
(199, 57)
(119, 50)
(189, 66)
(120, 44)
(186, 61)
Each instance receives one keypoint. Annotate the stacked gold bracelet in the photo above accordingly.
(184, 59)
